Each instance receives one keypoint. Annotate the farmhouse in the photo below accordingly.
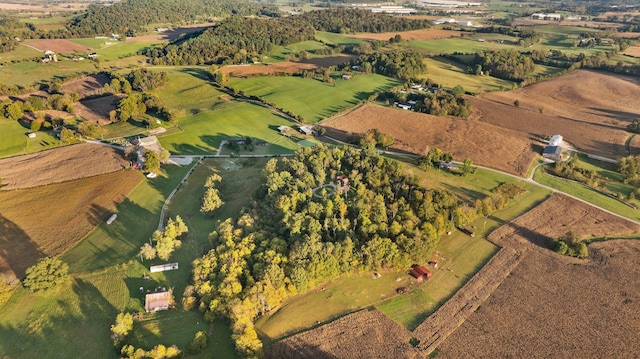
(552, 152)
(404, 106)
(307, 130)
(284, 130)
(163, 267)
(150, 143)
(420, 273)
(155, 302)
(448, 166)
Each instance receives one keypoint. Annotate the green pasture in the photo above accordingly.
(121, 49)
(189, 91)
(450, 74)
(337, 39)
(458, 44)
(279, 53)
(138, 217)
(462, 254)
(310, 98)
(583, 192)
(14, 140)
(29, 73)
(20, 53)
(563, 30)
(204, 131)
(92, 42)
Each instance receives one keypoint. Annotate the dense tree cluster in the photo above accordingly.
(570, 245)
(211, 199)
(505, 64)
(131, 17)
(235, 40)
(166, 241)
(48, 273)
(439, 102)
(629, 167)
(300, 232)
(345, 20)
(400, 64)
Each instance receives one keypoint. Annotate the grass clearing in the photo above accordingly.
(188, 91)
(313, 99)
(337, 39)
(91, 42)
(14, 138)
(583, 192)
(451, 74)
(119, 50)
(138, 217)
(29, 73)
(279, 53)
(20, 53)
(204, 131)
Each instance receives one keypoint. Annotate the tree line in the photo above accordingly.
(132, 17)
(235, 40)
(344, 20)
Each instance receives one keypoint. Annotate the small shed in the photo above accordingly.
(155, 302)
(112, 218)
(420, 272)
(552, 152)
(31, 135)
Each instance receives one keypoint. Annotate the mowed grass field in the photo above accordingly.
(188, 91)
(204, 131)
(311, 98)
(450, 74)
(462, 254)
(279, 53)
(19, 54)
(14, 138)
(119, 49)
(29, 73)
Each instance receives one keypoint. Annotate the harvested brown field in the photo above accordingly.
(61, 46)
(48, 220)
(87, 86)
(633, 51)
(525, 301)
(626, 35)
(425, 34)
(553, 308)
(487, 145)
(97, 109)
(286, 66)
(59, 165)
(364, 334)
(555, 217)
(589, 109)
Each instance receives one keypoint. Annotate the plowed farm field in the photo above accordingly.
(48, 220)
(425, 34)
(589, 109)
(61, 46)
(59, 165)
(488, 145)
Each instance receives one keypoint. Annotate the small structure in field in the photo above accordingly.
(420, 273)
(448, 166)
(112, 218)
(163, 267)
(32, 135)
(552, 152)
(307, 130)
(556, 140)
(468, 231)
(284, 130)
(155, 302)
(434, 264)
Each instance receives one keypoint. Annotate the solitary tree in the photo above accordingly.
(152, 161)
(516, 103)
(211, 201)
(121, 329)
(48, 273)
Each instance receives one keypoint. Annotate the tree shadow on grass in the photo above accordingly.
(17, 250)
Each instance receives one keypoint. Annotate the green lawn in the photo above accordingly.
(450, 74)
(587, 194)
(15, 141)
(138, 217)
(204, 131)
(120, 49)
(279, 53)
(337, 39)
(92, 42)
(188, 91)
(311, 98)
(19, 54)
(29, 73)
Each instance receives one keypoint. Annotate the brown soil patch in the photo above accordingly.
(97, 109)
(551, 308)
(589, 109)
(169, 35)
(286, 66)
(87, 86)
(365, 334)
(48, 220)
(626, 35)
(59, 165)
(60, 46)
(487, 145)
(425, 34)
(633, 51)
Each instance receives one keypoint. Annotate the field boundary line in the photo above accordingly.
(175, 190)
